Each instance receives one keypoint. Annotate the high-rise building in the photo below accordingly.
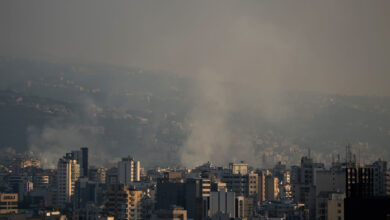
(84, 162)
(379, 168)
(170, 192)
(261, 186)
(332, 180)
(222, 202)
(82, 159)
(128, 171)
(112, 176)
(68, 172)
(243, 207)
(41, 181)
(330, 205)
(242, 183)
(303, 183)
(271, 188)
(87, 193)
(197, 194)
(359, 182)
(124, 203)
(25, 187)
(97, 174)
(387, 183)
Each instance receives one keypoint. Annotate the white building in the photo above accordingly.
(128, 171)
(68, 172)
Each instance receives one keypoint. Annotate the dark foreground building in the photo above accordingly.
(361, 202)
(377, 208)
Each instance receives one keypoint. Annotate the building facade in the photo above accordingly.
(129, 171)
(124, 203)
(68, 172)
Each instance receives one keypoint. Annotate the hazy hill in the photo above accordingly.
(50, 108)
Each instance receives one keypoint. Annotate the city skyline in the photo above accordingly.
(194, 110)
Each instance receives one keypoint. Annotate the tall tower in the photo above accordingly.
(68, 172)
(82, 158)
(128, 171)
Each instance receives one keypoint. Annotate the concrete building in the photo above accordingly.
(380, 168)
(82, 159)
(373, 207)
(21, 163)
(41, 181)
(97, 175)
(124, 203)
(285, 210)
(285, 188)
(217, 186)
(112, 176)
(222, 202)
(330, 189)
(170, 192)
(271, 188)
(197, 194)
(388, 183)
(242, 184)
(239, 168)
(128, 171)
(330, 206)
(88, 194)
(244, 207)
(303, 186)
(8, 203)
(261, 186)
(330, 180)
(68, 172)
(25, 187)
(359, 182)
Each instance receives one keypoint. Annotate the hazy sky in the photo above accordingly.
(330, 46)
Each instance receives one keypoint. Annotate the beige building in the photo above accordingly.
(239, 168)
(330, 206)
(124, 203)
(8, 203)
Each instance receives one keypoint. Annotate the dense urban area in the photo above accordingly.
(75, 190)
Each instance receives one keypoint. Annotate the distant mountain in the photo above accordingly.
(50, 108)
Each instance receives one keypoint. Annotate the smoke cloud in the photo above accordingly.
(241, 56)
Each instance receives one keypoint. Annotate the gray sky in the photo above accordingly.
(329, 46)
